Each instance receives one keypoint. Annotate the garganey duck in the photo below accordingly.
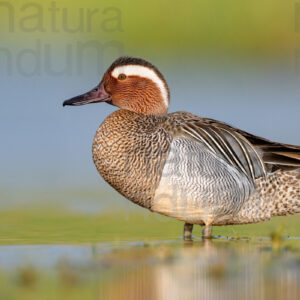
(194, 169)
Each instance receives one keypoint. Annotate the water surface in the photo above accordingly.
(224, 268)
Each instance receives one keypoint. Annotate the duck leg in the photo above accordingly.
(187, 231)
(207, 232)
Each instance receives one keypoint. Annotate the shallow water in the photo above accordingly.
(223, 268)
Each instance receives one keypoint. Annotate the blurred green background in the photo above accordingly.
(226, 28)
(235, 61)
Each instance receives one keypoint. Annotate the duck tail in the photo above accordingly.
(278, 194)
(286, 199)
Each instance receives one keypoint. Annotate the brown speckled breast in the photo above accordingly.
(129, 151)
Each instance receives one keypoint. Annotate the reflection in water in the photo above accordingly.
(217, 269)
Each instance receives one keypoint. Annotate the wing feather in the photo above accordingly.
(228, 145)
(252, 155)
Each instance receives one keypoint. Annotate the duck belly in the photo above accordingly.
(198, 187)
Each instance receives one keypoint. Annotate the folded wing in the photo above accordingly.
(252, 155)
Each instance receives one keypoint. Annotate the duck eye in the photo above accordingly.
(122, 77)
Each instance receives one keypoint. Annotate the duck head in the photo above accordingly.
(130, 83)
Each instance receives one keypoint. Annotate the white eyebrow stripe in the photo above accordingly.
(142, 71)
